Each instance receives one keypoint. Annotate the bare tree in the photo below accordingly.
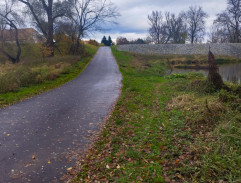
(234, 9)
(195, 19)
(157, 28)
(2, 29)
(229, 21)
(44, 13)
(89, 16)
(10, 19)
(218, 35)
(213, 74)
(122, 41)
(155, 22)
(170, 29)
(176, 28)
(138, 41)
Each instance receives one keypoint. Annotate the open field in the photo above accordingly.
(35, 74)
(172, 128)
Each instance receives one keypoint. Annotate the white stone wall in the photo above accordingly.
(224, 49)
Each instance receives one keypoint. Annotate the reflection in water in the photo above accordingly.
(229, 72)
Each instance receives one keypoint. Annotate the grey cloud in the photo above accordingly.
(134, 13)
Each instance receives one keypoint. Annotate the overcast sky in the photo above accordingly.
(133, 20)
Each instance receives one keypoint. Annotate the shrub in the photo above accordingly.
(31, 51)
(190, 75)
(21, 77)
(33, 69)
(232, 98)
(8, 83)
(63, 43)
(25, 76)
(122, 41)
(93, 42)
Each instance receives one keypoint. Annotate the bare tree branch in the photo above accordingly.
(229, 22)
(90, 16)
(170, 29)
(45, 14)
(9, 18)
(195, 19)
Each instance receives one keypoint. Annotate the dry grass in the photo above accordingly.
(145, 61)
(183, 101)
(206, 109)
(35, 69)
(14, 76)
(6, 67)
(34, 76)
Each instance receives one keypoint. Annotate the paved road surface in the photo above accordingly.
(37, 134)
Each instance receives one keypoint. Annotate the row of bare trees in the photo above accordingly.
(75, 18)
(227, 26)
(124, 41)
(189, 26)
(170, 28)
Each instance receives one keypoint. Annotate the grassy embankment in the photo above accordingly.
(166, 129)
(195, 61)
(35, 74)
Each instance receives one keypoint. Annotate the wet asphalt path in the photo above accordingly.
(40, 136)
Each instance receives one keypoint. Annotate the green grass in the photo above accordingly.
(166, 129)
(30, 78)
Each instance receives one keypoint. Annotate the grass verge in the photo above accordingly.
(166, 129)
(27, 79)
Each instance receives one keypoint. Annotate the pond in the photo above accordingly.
(229, 72)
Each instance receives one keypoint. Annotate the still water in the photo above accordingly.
(229, 72)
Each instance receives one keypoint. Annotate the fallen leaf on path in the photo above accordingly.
(182, 157)
(167, 179)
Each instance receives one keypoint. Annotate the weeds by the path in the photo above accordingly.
(29, 78)
(166, 129)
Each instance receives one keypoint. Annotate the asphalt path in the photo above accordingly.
(40, 137)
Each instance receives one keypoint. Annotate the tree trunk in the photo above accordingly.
(237, 33)
(192, 39)
(158, 38)
(76, 46)
(13, 60)
(18, 45)
(50, 36)
(50, 44)
(213, 75)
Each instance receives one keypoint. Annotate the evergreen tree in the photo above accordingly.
(109, 41)
(104, 41)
